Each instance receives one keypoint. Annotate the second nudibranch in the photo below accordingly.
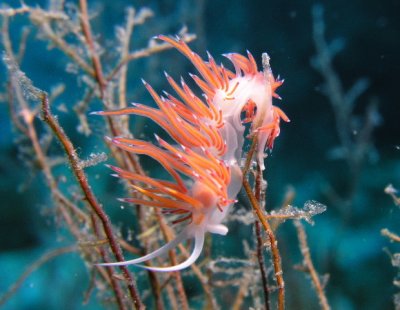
(209, 136)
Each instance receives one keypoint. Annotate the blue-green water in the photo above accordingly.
(345, 241)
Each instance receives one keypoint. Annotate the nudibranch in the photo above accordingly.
(204, 164)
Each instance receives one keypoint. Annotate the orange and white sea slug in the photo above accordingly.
(209, 133)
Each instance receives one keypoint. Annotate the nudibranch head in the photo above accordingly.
(204, 166)
(251, 91)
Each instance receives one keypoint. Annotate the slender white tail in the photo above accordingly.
(187, 233)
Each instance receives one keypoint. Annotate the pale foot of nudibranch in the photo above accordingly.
(197, 233)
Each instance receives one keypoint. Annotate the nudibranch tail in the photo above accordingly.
(188, 233)
(197, 249)
(204, 165)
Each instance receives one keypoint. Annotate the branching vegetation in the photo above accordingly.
(68, 28)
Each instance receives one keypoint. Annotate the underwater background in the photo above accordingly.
(310, 159)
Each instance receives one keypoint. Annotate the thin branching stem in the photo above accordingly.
(119, 296)
(130, 23)
(307, 261)
(90, 197)
(211, 302)
(241, 294)
(168, 236)
(24, 120)
(260, 244)
(144, 52)
(276, 257)
(132, 161)
(91, 47)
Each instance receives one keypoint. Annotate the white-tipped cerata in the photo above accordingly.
(204, 169)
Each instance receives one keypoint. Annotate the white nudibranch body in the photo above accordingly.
(209, 134)
(252, 93)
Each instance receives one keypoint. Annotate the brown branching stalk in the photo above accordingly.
(24, 121)
(24, 117)
(278, 219)
(260, 243)
(98, 71)
(204, 280)
(90, 197)
(119, 295)
(80, 211)
(309, 266)
(241, 294)
(169, 236)
(153, 48)
(276, 257)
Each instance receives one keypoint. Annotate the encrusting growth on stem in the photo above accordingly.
(89, 196)
(258, 193)
(276, 257)
(309, 266)
(203, 166)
